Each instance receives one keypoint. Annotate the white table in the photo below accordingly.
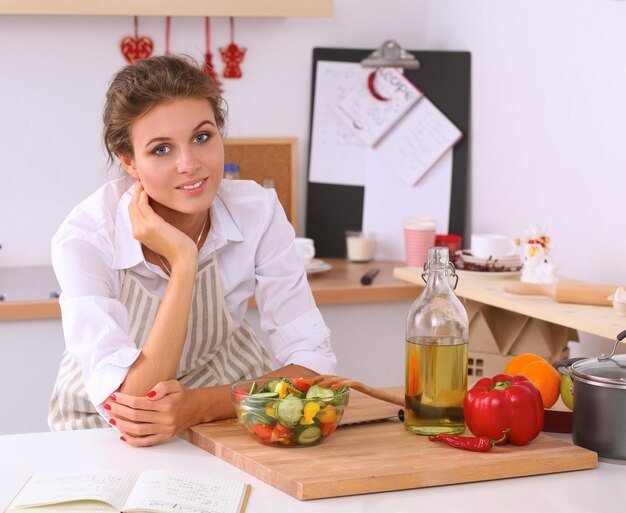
(600, 489)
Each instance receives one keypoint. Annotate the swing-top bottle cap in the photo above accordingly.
(438, 255)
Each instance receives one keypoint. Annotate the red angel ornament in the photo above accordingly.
(232, 55)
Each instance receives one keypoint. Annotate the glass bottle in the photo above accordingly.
(437, 334)
(231, 172)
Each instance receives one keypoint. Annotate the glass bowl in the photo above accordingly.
(288, 412)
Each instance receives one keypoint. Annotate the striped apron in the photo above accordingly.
(216, 352)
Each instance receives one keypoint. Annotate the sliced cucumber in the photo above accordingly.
(317, 392)
(289, 410)
(261, 397)
(258, 400)
(309, 435)
(270, 386)
(256, 417)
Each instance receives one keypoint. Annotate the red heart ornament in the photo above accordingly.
(135, 48)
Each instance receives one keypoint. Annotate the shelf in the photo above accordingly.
(238, 8)
(602, 321)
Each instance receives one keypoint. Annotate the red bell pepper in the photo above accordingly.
(496, 404)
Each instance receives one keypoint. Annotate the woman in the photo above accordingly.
(156, 270)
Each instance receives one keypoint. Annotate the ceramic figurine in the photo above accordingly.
(537, 265)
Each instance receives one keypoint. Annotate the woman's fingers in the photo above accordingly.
(143, 441)
(160, 390)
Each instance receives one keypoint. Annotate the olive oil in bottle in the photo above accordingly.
(436, 353)
(436, 384)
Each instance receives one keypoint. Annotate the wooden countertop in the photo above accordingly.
(341, 284)
(597, 320)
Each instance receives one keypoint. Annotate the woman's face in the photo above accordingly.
(178, 155)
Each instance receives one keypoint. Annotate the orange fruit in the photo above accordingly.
(546, 378)
(517, 362)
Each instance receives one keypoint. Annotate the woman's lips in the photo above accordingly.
(193, 187)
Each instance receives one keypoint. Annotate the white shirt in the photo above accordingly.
(256, 257)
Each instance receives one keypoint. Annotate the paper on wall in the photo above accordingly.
(418, 142)
(338, 156)
(373, 119)
(388, 200)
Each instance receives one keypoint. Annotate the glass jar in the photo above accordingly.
(437, 334)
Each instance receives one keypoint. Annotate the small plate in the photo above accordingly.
(510, 260)
(317, 266)
(488, 274)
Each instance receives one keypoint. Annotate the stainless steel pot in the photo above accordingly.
(599, 388)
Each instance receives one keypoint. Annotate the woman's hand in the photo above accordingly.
(154, 232)
(165, 411)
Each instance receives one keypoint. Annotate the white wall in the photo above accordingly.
(54, 72)
(548, 125)
(548, 122)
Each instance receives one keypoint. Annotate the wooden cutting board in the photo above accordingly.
(379, 457)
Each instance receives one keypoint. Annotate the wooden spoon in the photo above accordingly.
(337, 381)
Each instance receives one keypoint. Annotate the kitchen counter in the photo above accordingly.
(600, 489)
(28, 290)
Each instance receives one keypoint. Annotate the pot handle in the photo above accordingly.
(618, 339)
(563, 366)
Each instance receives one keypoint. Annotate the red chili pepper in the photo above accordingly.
(469, 443)
(495, 404)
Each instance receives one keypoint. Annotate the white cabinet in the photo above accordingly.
(30, 353)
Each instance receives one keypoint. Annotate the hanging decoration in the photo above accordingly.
(168, 27)
(208, 56)
(232, 55)
(135, 48)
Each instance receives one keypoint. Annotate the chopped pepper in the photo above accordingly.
(281, 389)
(310, 410)
(327, 414)
(496, 404)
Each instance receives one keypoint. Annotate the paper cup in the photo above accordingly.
(419, 236)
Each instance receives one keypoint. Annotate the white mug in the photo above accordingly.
(485, 245)
(305, 249)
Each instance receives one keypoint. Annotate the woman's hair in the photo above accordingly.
(147, 83)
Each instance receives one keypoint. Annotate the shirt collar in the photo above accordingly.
(128, 251)
(223, 226)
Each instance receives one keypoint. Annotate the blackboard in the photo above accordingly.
(444, 77)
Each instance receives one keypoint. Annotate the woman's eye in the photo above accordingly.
(161, 150)
(201, 137)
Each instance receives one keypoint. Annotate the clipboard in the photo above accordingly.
(444, 77)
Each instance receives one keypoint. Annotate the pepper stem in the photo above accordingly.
(500, 385)
(504, 433)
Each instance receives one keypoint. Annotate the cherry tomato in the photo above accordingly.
(280, 433)
(327, 428)
(263, 432)
(302, 384)
(240, 395)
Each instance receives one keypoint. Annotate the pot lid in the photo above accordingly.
(603, 370)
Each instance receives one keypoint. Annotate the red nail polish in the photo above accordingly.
(122, 439)
(151, 394)
(112, 422)
(112, 397)
(107, 406)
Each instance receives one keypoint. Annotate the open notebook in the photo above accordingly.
(152, 491)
